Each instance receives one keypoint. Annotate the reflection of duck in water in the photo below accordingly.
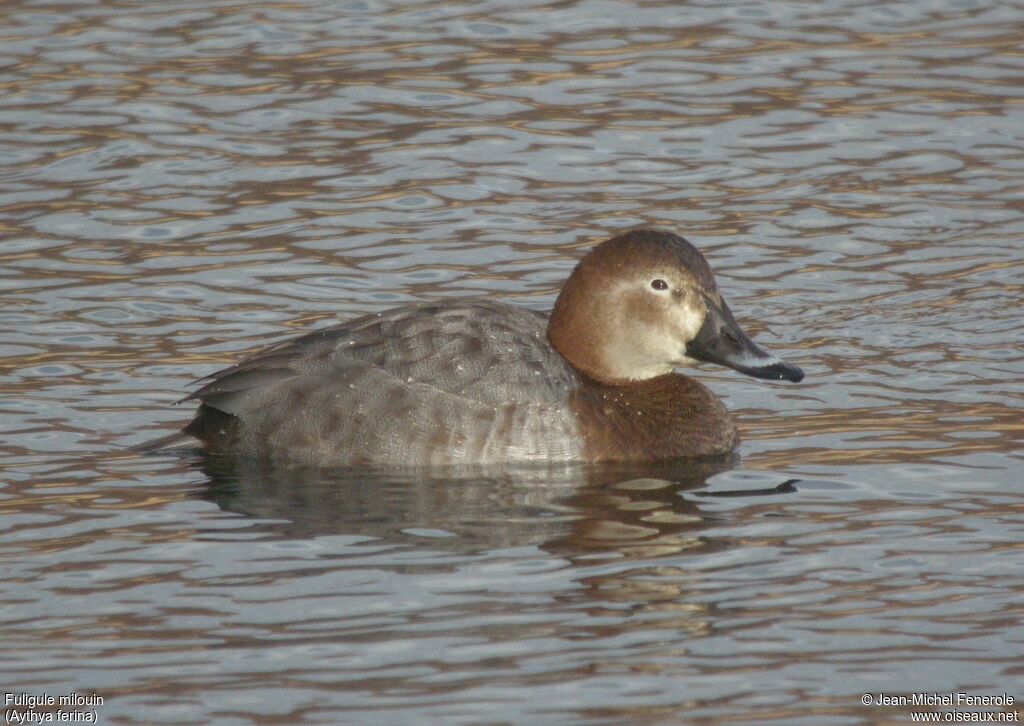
(472, 508)
(631, 510)
(481, 382)
(635, 536)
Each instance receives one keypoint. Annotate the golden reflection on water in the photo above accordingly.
(882, 436)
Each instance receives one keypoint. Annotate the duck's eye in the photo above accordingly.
(659, 284)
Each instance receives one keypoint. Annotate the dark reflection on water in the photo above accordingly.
(181, 182)
(567, 509)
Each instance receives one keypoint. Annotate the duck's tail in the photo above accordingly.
(171, 441)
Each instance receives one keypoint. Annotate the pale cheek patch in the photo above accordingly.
(688, 321)
(647, 334)
(637, 344)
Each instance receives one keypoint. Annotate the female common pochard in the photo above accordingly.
(480, 382)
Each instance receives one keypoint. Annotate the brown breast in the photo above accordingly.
(670, 416)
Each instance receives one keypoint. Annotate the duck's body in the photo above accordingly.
(479, 382)
(462, 382)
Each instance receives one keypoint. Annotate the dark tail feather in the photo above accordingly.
(178, 438)
(210, 428)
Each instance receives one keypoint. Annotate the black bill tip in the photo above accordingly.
(720, 340)
(775, 371)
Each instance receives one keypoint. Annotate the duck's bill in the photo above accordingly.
(720, 340)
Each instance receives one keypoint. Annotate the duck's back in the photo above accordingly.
(458, 382)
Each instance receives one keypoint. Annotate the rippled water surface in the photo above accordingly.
(181, 182)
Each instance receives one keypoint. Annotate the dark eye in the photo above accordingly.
(659, 284)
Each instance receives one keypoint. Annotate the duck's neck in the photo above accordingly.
(670, 416)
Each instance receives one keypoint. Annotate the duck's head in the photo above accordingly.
(645, 302)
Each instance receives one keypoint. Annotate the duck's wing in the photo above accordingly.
(453, 383)
(476, 350)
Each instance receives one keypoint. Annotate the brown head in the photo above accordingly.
(645, 302)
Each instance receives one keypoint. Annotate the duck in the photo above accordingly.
(479, 381)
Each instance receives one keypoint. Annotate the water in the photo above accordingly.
(184, 182)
